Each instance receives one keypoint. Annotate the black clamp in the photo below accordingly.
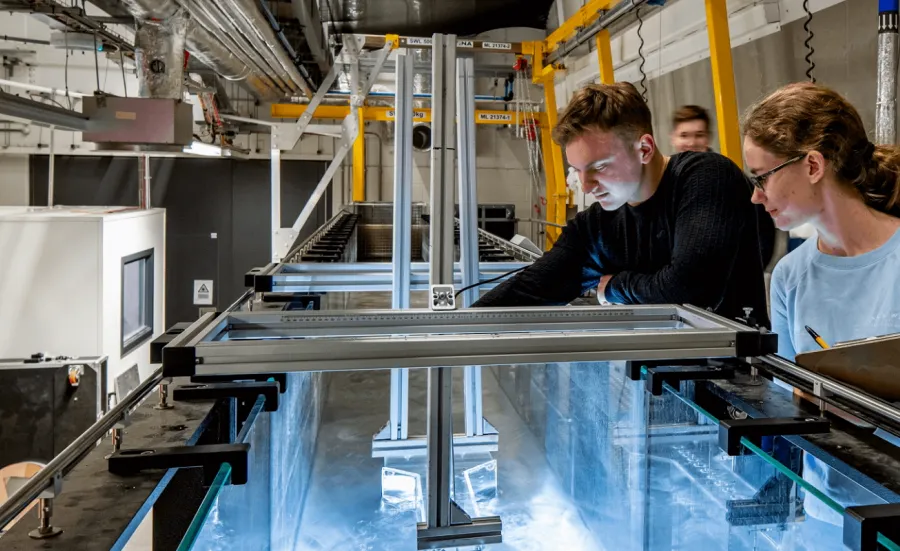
(157, 344)
(656, 376)
(633, 367)
(773, 503)
(732, 430)
(862, 525)
(180, 361)
(246, 392)
(210, 457)
(280, 378)
(259, 278)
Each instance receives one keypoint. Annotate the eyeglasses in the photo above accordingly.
(759, 180)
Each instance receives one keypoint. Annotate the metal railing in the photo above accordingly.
(862, 399)
(60, 465)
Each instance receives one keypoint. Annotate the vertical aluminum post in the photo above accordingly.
(443, 146)
(275, 194)
(446, 524)
(51, 171)
(468, 228)
(402, 255)
(440, 405)
(468, 196)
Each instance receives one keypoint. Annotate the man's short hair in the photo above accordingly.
(615, 108)
(687, 113)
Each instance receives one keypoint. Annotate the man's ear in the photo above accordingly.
(647, 147)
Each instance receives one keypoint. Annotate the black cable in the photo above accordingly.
(480, 283)
(808, 42)
(334, 30)
(51, 100)
(124, 82)
(66, 74)
(96, 60)
(641, 55)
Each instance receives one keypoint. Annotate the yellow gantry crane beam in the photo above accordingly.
(359, 161)
(723, 80)
(604, 57)
(588, 13)
(482, 116)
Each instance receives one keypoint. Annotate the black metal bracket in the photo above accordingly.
(247, 392)
(210, 457)
(633, 367)
(732, 430)
(296, 301)
(179, 361)
(755, 343)
(656, 376)
(862, 525)
(157, 344)
(280, 378)
(259, 278)
(772, 504)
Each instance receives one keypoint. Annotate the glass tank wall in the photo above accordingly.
(586, 460)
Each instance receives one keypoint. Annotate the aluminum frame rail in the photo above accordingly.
(364, 277)
(397, 427)
(267, 342)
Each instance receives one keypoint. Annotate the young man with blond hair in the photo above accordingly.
(677, 229)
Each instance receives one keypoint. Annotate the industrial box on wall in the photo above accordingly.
(156, 121)
(83, 281)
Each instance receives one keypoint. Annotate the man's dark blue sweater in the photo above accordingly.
(695, 241)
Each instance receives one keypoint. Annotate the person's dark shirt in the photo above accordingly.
(695, 241)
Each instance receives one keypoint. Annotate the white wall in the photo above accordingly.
(14, 185)
(124, 235)
(50, 286)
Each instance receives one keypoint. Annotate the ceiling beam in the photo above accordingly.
(41, 113)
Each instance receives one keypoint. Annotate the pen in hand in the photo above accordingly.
(819, 340)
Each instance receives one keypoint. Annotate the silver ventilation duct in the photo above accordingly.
(258, 32)
(307, 13)
(207, 48)
(208, 15)
(229, 39)
(159, 55)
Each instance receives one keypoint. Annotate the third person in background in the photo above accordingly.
(813, 162)
(691, 132)
(690, 129)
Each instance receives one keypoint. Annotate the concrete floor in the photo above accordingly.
(345, 510)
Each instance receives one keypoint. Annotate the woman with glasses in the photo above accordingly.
(812, 162)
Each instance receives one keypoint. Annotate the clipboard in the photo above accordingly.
(871, 364)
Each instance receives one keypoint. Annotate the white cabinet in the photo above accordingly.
(82, 281)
